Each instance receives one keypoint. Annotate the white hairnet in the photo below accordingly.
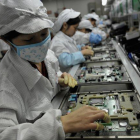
(85, 24)
(64, 16)
(23, 16)
(89, 16)
(107, 22)
(4, 46)
(105, 17)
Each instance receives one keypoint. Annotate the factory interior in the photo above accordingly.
(69, 70)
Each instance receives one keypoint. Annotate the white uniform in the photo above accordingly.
(24, 94)
(81, 38)
(4, 46)
(98, 31)
(62, 43)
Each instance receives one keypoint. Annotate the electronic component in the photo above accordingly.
(117, 105)
(128, 129)
(102, 74)
(103, 56)
(123, 123)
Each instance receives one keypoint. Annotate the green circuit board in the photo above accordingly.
(101, 74)
(118, 106)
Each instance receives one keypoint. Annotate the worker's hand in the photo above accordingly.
(87, 52)
(86, 47)
(67, 80)
(107, 36)
(84, 119)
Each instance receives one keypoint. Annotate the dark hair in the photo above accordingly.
(73, 21)
(92, 11)
(11, 35)
(92, 19)
(88, 30)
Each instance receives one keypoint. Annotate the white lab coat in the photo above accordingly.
(98, 31)
(24, 94)
(4, 46)
(81, 38)
(62, 43)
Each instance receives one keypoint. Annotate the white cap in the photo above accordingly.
(89, 16)
(85, 24)
(23, 16)
(64, 16)
(105, 17)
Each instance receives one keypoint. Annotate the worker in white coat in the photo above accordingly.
(28, 80)
(64, 46)
(84, 34)
(93, 18)
(106, 21)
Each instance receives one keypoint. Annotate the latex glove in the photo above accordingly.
(95, 38)
(101, 22)
(84, 119)
(67, 80)
(86, 47)
(89, 47)
(87, 52)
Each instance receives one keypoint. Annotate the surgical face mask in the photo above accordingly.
(35, 52)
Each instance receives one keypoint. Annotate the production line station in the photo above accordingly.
(109, 81)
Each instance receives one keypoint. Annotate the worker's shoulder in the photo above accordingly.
(8, 74)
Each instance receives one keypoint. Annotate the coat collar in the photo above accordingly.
(70, 39)
(30, 75)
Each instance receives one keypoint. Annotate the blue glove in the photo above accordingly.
(95, 38)
(101, 22)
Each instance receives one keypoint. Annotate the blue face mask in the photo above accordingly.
(35, 52)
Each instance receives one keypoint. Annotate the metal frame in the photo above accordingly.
(135, 77)
(60, 96)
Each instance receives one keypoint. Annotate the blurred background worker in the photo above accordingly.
(84, 34)
(93, 18)
(93, 11)
(106, 21)
(63, 45)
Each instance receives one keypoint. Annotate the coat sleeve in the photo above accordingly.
(70, 59)
(48, 127)
(80, 46)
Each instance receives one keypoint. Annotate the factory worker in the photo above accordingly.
(93, 18)
(84, 34)
(64, 45)
(106, 20)
(28, 79)
(100, 23)
(105, 17)
(92, 11)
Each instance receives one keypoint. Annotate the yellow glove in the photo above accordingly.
(99, 126)
(107, 118)
(67, 80)
(89, 47)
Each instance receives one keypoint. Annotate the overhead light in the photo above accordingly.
(104, 2)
